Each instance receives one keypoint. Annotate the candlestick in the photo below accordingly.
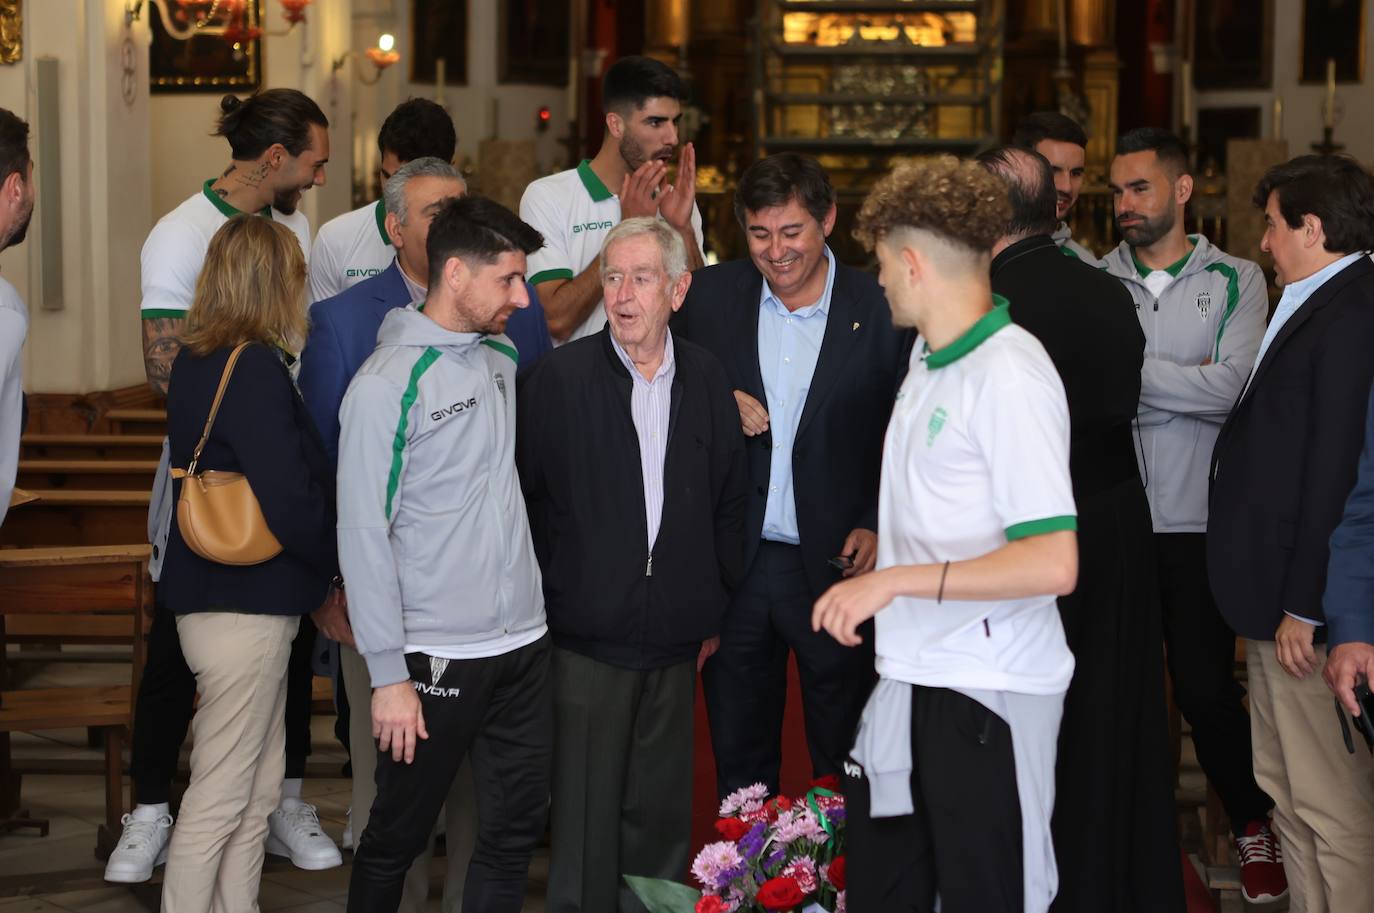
(439, 81)
(1329, 106)
(1186, 92)
(1278, 117)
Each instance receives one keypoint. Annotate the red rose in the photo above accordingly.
(780, 894)
(710, 903)
(731, 828)
(829, 781)
(836, 873)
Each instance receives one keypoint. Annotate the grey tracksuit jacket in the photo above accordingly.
(1063, 236)
(434, 541)
(1214, 310)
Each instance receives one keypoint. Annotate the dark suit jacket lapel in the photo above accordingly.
(391, 291)
(1319, 299)
(842, 331)
(747, 334)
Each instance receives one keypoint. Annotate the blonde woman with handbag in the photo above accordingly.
(251, 552)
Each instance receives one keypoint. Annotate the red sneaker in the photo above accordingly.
(1261, 864)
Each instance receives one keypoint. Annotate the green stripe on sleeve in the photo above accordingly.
(1232, 299)
(549, 275)
(398, 443)
(507, 350)
(158, 313)
(1039, 527)
(1069, 252)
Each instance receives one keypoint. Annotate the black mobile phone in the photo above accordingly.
(842, 562)
(1365, 721)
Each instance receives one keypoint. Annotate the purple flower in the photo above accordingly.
(775, 859)
(717, 864)
(751, 844)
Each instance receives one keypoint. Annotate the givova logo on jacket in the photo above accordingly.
(437, 667)
(444, 412)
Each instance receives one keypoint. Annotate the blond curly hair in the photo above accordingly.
(956, 200)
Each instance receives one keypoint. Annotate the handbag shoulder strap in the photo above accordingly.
(214, 406)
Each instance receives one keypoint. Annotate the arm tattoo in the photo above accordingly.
(161, 343)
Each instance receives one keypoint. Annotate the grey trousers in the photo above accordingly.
(460, 811)
(622, 781)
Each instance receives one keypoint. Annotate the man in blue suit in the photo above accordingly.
(343, 333)
(1349, 599)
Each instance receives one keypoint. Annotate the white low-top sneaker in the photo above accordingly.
(142, 847)
(294, 831)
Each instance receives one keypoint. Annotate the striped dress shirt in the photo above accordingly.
(650, 403)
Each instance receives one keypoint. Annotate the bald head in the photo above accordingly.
(1030, 187)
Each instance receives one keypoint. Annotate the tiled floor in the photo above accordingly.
(60, 872)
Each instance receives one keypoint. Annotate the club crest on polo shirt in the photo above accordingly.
(1204, 303)
(501, 385)
(937, 424)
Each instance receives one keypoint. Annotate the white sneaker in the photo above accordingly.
(142, 847)
(294, 831)
(347, 841)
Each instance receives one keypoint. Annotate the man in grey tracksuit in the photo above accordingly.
(444, 593)
(1203, 313)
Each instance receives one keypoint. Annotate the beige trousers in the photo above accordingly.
(237, 760)
(1323, 795)
(460, 810)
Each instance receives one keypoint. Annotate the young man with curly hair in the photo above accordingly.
(951, 780)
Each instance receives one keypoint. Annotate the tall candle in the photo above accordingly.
(439, 81)
(1278, 117)
(1186, 94)
(1329, 108)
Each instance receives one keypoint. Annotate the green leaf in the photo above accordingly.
(661, 896)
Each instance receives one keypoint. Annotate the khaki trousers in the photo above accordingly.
(460, 811)
(1323, 795)
(214, 864)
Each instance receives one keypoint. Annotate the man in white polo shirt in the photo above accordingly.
(977, 521)
(279, 142)
(575, 209)
(355, 246)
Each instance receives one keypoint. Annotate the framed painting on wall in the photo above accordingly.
(534, 42)
(439, 31)
(1332, 30)
(205, 63)
(1233, 44)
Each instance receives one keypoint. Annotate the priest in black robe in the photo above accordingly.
(1114, 821)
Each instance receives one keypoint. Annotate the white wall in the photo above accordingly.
(1302, 104)
(92, 342)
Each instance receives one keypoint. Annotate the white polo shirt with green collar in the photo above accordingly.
(976, 456)
(348, 249)
(175, 250)
(574, 211)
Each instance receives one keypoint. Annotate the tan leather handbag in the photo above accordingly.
(218, 514)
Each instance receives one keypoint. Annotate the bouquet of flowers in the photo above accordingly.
(776, 855)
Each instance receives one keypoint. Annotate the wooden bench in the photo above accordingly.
(90, 446)
(116, 475)
(137, 421)
(62, 517)
(75, 582)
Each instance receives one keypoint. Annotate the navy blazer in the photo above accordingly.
(1349, 599)
(1286, 459)
(343, 333)
(837, 454)
(263, 431)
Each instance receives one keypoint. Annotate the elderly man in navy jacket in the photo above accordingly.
(632, 462)
(1349, 599)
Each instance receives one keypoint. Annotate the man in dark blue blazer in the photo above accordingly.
(343, 333)
(815, 362)
(1349, 599)
(1284, 464)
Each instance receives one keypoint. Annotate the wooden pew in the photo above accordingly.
(90, 447)
(117, 475)
(62, 517)
(137, 421)
(75, 582)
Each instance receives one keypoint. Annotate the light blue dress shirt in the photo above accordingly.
(1295, 295)
(789, 345)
